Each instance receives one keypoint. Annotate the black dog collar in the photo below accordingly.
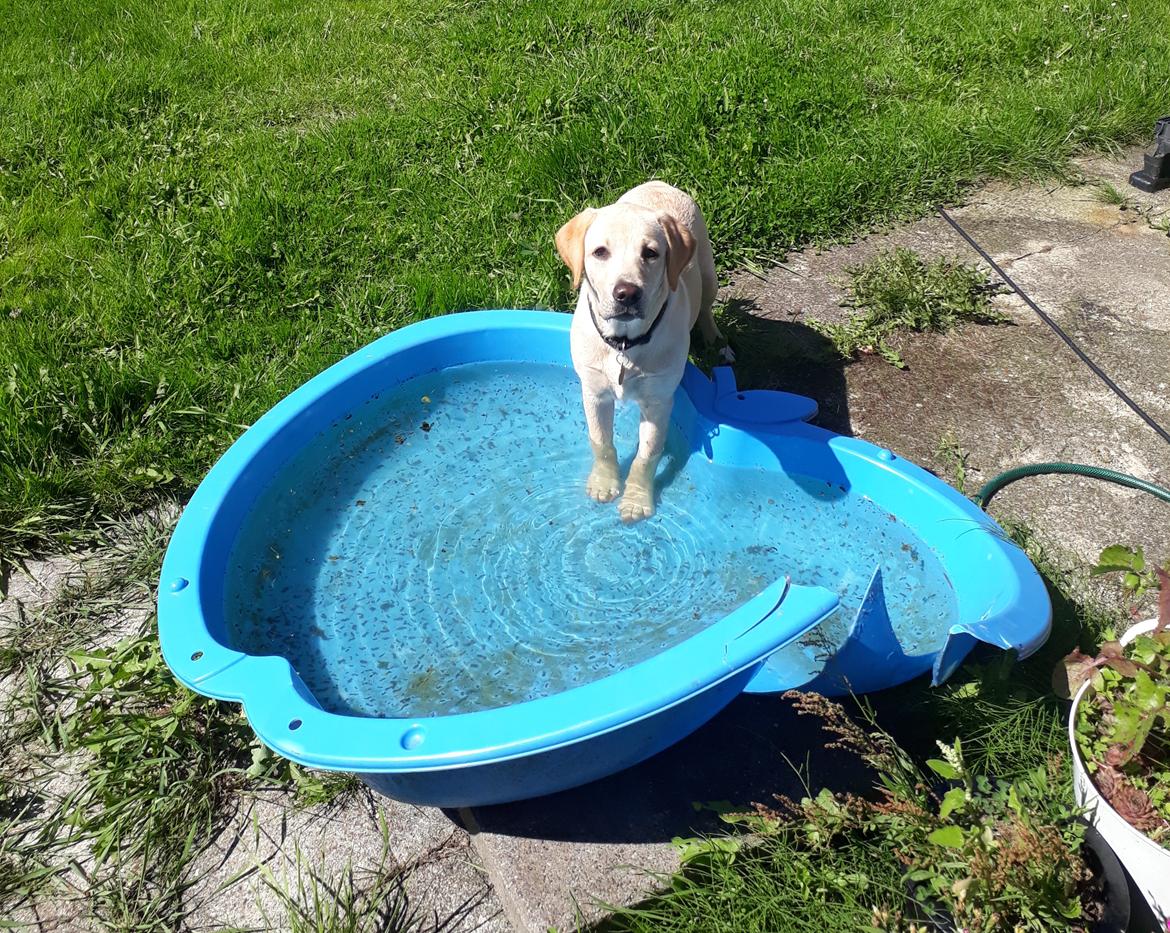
(622, 344)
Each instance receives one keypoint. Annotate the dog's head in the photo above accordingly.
(628, 256)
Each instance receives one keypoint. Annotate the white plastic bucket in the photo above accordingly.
(1147, 862)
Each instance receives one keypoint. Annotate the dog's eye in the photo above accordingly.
(649, 252)
(601, 253)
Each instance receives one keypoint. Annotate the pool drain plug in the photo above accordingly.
(1156, 174)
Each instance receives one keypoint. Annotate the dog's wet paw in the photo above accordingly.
(603, 484)
(636, 504)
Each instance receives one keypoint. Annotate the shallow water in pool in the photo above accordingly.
(434, 552)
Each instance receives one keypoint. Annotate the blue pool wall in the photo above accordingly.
(568, 765)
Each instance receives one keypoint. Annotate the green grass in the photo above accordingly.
(1106, 193)
(26, 866)
(95, 597)
(354, 900)
(775, 886)
(203, 205)
(897, 292)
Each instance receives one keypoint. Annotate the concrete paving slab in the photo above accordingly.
(269, 837)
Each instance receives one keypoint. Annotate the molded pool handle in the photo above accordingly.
(760, 408)
(779, 614)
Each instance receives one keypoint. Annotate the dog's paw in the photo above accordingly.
(636, 504)
(727, 354)
(604, 483)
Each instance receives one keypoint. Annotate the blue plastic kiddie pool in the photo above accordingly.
(397, 571)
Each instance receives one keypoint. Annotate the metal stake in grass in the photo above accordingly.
(1155, 175)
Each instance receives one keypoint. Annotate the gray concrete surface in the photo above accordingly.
(270, 843)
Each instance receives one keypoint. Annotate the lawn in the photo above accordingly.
(202, 205)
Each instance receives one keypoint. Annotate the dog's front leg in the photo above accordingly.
(638, 501)
(604, 481)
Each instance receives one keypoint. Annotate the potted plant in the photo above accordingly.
(1119, 732)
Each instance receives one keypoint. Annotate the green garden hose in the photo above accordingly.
(1075, 469)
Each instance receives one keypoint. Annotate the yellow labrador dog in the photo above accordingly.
(645, 275)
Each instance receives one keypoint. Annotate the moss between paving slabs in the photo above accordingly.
(201, 206)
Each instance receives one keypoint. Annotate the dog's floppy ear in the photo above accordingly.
(680, 244)
(571, 243)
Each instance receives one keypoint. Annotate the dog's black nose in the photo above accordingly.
(626, 294)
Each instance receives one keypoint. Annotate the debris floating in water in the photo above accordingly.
(475, 588)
